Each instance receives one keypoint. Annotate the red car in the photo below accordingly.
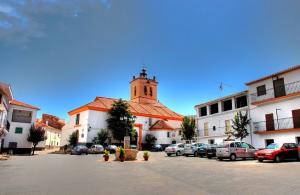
(278, 152)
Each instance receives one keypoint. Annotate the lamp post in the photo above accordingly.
(277, 109)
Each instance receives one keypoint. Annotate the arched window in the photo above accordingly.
(151, 91)
(134, 90)
(145, 90)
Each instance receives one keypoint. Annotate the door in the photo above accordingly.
(239, 150)
(270, 122)
(296, 118)
(279, 88)
(206, 129)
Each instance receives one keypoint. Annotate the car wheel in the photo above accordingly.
(232, 157)
(209, 157)
(260, 160)
(277, 159)
(196, 154)
(220, 159)
(169, 154)
(177, 153)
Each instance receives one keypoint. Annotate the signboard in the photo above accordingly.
(127, 142)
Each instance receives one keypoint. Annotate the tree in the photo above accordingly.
(36, 135)
(102, 137)
(240, 124)
(150, 139)
(120, 120)
(188, 127)
(73, 138)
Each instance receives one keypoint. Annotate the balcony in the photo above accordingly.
(287, 90)
(212, 132)
(277, 126)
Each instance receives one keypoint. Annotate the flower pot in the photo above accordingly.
(106, 158)
(122, 159)
(146, 158)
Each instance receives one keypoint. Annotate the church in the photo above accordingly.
(152, 117)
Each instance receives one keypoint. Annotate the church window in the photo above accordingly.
(151, 91)
(145, 90)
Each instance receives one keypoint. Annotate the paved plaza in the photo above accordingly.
(66, 174)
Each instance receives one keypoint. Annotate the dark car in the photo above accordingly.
(277, 152)
(202, 150)
(211, 150)
(80, 149)
(157, 148)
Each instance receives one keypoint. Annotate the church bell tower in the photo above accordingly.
(143, 89)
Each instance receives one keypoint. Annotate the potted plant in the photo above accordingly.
(146, 155)
(106, 155)
(122, 155)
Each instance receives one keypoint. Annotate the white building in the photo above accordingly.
(275, 107)
(151, 116)
(21, 117)
(214, 118)
(5, 97)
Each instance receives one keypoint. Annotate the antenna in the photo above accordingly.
(221, 88)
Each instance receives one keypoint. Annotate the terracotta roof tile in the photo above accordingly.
(154, 110)
(161, 124)
(22, 104)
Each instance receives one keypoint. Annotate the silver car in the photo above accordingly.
(192, 149)
(177, 149)
(234, 150)
(96, 149)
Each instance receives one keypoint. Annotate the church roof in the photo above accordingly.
(153, 110)
(161, 124)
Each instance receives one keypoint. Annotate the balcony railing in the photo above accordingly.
(290, 88)
(273, 125)
(211, 132)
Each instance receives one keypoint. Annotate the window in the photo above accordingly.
(19, 130)
(203, 111)
(238, 144)
(269, 141)
(12, 144)
(180, 132)
(150, 121)
(134, 90)
(77, 119)
(211, 141)
(145, 90)
(22, 116)
(0, 98)
(214, 108)
(261, 90)
(298, 140)
(244, 145)
(214, 128)
(241, 102)
(151, 91)
(227, 105)
(168, 134)
(82, 135)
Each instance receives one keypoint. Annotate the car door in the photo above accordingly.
(294, 151)
(239, 150)
(286, 154)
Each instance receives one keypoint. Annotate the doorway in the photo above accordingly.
(206, 129)
(279, 88)
(296, 118)
(270, 122)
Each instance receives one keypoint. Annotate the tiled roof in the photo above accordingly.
(22, 104)
(154, 110)
(161, 124)
(293, 68)
(5, 88)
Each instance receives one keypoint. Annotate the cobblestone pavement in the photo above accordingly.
(66, 174)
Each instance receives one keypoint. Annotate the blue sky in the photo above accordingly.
(59, 55)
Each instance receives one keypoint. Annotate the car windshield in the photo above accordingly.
(173, 145)
(223, 145)
(273, 146)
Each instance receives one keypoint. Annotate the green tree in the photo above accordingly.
(150, 139)
(188, 127)
(36, 135)
(240, 124)
(101, 137)
(73, 138)
(120, 120)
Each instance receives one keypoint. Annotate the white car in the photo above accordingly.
(96, 149)
(177, 149)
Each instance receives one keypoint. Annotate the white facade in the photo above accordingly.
(272, 108)
(18, 132)
(211, 127)
(92, 121)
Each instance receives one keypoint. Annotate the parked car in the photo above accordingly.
(177, 149)
(96, 149)
(111, 148)
(277, 152)
(192, 149)
(234, 150)
(79, 149)
(211, 150)
(157, 148)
